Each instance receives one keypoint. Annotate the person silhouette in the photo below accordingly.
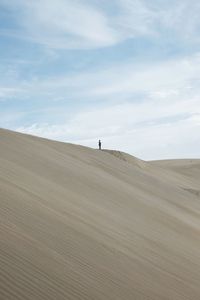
(99, 144)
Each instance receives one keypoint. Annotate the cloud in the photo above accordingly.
(135, 19)
(171, 79)
(65, 24)
(119, 130)
(84, 24)
(9, 93)
(130, 102)
(182, 18)
(10, 119)
(152, 111)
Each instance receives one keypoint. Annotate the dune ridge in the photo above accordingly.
(78, 223)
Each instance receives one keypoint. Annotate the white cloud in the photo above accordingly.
(151, 131)
(172, 79)
(182, 18)
(9, 93)
(162, 123)
(65, 24)
(134, 19)
(151, 110)
(146, 140)
(9, 120)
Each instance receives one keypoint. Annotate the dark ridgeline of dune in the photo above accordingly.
(78, 223)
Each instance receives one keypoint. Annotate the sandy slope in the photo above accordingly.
(77, 223)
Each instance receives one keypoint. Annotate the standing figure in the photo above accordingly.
(99, 144)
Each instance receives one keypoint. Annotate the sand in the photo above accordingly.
(78, 223)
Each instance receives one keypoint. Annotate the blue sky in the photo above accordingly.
(124, 71)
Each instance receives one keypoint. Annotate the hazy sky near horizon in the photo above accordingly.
(124, 71)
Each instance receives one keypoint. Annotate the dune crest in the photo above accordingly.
(128, 158)
(79, 223)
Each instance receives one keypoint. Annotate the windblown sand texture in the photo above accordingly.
(78, 223)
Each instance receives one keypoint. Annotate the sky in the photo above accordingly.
(123, 71)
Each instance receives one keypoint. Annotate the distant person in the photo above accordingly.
(99, 144)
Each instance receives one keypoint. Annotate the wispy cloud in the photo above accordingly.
(167, 111)
(118, 129)
(162, 80)
(83, 24)
(135, 19)
(65, 24)
(9, 93)
(74, 76)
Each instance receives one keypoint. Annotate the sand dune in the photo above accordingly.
(78, 223)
